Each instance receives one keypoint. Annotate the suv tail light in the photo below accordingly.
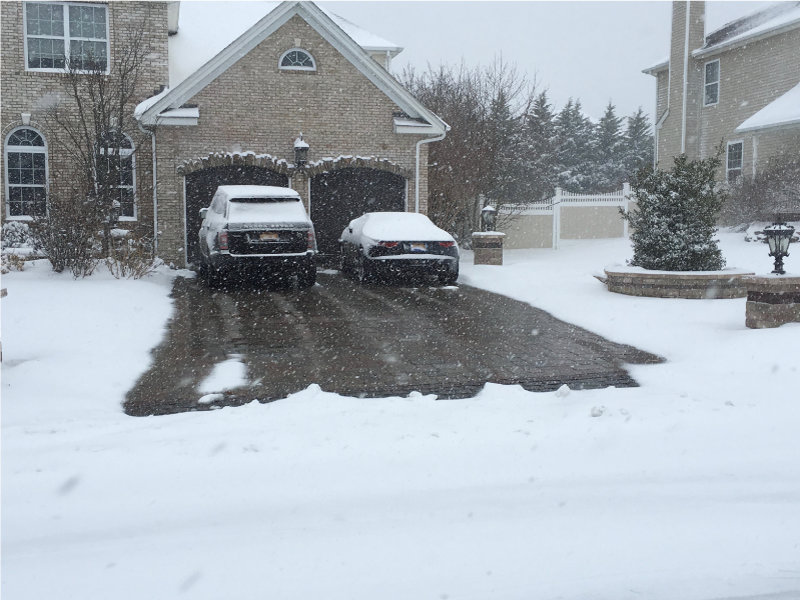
(222, 240)
(447, 244)
(388, 244)
(310, 238)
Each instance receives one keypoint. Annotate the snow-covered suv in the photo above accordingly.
(257, 228)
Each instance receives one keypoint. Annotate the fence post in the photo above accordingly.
(626, 190)
(557, 218)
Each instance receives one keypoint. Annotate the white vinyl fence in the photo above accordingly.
(566, 216)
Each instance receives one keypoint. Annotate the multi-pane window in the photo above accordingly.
(118, 163)
(734, 161)
(60, 35)
(26, 173)
(711, 95)
(298, 60)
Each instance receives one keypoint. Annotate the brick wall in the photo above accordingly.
(30, 92)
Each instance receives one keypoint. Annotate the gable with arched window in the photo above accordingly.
(26, 174)
(119, 165)
(297, 59)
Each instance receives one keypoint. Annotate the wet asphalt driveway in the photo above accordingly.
(368, 341)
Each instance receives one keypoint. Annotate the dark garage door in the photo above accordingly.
(201, 185)
(339, 196)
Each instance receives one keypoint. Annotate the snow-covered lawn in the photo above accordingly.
(685, 488)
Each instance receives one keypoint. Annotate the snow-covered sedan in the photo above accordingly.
(380, 244)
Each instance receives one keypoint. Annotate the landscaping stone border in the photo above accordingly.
(677, 284)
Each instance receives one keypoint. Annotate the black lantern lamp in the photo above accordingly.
(300, 152)
(779, 236)
(489, 217)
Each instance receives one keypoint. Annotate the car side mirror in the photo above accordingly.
(203, 213)
(350, 229)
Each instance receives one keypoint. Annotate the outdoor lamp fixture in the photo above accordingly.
(300, 152)
(489, 217)
(779, 236)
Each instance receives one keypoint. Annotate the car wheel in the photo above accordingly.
(307, 275)
(363, 270)
(214, 278)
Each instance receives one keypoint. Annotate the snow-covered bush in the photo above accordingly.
(771, 192)
(11, 262)
(674, 221)
(16, 234)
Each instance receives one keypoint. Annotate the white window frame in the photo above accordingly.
(313, 66)
(132, 153)
(29, 150)
(707, 83)
(65, 7)
(728, 169)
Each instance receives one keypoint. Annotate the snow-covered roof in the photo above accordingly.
(257, 191)
(660, 66)
(768, 21)
(206, 28)
(785, 111)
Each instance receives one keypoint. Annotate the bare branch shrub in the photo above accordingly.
(131, 255)
(67, 234)
(772, 192)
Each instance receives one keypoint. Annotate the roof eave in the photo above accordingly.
(656, 69)
(760, 128)
(743, 41)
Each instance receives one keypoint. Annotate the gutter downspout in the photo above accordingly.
(155, 187)
(416, 175)
(658, 127)
(685, 77)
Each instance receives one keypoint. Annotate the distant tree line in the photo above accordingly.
(509, 145)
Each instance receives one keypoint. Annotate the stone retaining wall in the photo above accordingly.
(678, 284)
(772, 301)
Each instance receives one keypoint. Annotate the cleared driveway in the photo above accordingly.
(369, 341)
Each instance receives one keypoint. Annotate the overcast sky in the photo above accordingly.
(594, 51)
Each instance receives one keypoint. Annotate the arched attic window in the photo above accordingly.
(120, 164)
(297, 59)
(26, 174)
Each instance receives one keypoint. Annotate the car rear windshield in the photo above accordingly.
(262, 200)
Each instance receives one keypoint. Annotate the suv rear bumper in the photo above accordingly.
(224, 261)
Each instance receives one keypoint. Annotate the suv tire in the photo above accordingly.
(307, 275)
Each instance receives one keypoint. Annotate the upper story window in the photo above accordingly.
(26, 174)
(297, 60)
(711, 95)
(119, 162)
(734, 161)
(58, 35)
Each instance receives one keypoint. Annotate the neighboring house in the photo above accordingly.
(738, 85)
(281, 94)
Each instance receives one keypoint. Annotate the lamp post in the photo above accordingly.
(779, 236)
(488, 217)
(300, 151)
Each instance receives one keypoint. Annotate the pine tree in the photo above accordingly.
(674, 221)
(538, 155)
(608, 173)
(638, 144)
(575, 148)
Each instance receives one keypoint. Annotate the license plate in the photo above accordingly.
(418, 247)
(268, 236)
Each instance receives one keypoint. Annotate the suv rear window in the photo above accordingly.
(264, 200)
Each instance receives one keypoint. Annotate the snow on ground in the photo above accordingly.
(687, 487)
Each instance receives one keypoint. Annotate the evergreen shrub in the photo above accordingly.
(674, 221)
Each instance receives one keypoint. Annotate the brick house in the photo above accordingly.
(243, 97)
(739, 85)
